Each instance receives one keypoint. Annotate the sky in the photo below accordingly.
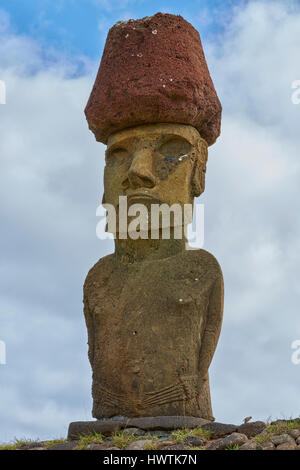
(51, 171)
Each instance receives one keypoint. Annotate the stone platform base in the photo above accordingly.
(108, 426)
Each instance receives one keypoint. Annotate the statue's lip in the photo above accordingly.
(142, 195)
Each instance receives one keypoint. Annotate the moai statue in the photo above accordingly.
(153, 308)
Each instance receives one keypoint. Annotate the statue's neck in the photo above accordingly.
(148, 249)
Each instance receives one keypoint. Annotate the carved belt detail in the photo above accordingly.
(187, 388)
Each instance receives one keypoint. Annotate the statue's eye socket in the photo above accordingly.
(175, 149)
(117, 155)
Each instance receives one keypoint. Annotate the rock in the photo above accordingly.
(34, 448)
(281, 439)
(298, 447)
(148, 78)
(160, 434)
(139, 445)
(298, 441)
(134, 432)
(112, 448)
(96, 447)
(166, 443)
(218, 429)
(167, 422)
(64, 446)
(165, 438)
(105, 427)
(264, 433)
(266, 446)
(252, 429)
(287, 446)
(194, 441)
(31, 446)
(294, 433)
(250, 445)
(175, 447)
(232, 440)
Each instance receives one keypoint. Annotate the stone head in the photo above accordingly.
(154, 105)
(155, 163)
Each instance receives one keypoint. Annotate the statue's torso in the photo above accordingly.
(147, 321)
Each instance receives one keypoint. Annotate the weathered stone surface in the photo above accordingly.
(154, 308)
(145, 363)
(266, 446)
(39, 447)
(153, 70)
(287, 446)
(78, 428)
(252, 428)
(31, 446)
(219, 429)
(250, 445)
(298, 440)
(167, 422)
(135, 426)
(194, 441)
(232, 440)
(140, 445)
(134, 431)
(175, 447)
(160, 434)
(264, 433)
(113, 448)
(165, 443)
(70, 445)
(103, 446)
(294, 433)
(281, 439)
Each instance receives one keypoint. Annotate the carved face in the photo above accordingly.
(155, 163)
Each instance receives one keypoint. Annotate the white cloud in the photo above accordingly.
(50, 187)
(252, 207)
(51, 182)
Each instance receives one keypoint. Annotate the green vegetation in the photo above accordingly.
(49, 444)
(16, 444)
(152, 446)
(277, 429)
(121, 439)
(181, 434)
(233, 447)
(90, 439)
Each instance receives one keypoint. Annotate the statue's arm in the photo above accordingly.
(213, 325)
(89, 320)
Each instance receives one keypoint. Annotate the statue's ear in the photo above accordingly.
(198, 180)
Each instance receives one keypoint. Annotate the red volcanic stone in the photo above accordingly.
(153, 70)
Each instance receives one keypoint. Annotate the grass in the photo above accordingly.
(277, 429)
(122, 440)
(9, 447)
(152, 446)
(233, 447)
(17, 444)
(49, 444)
(89, 439)
(181, 434)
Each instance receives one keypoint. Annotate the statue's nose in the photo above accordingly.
(140, 171)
